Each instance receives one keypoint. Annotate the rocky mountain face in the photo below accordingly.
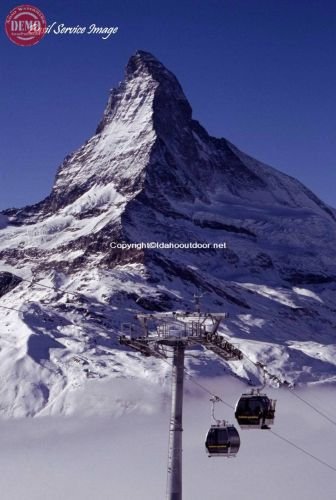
(151, 173)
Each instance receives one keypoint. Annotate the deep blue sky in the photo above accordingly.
(258, 72)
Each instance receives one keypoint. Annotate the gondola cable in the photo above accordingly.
(288, 441)
(205, 389)
(313, 407)
(314, 457)
(10, 308)
(54, 288)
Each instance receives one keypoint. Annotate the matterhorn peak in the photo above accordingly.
(144, 62)
(147, 82)
(147, 142)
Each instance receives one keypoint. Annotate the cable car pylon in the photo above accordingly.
(163, 334)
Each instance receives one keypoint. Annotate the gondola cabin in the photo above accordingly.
(222, 441)
(255, 411)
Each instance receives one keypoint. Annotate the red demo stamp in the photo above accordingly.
(25, 25)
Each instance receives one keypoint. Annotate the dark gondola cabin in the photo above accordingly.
(222, 441)
(255, 411)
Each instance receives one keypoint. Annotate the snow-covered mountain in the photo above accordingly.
(151, 173)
